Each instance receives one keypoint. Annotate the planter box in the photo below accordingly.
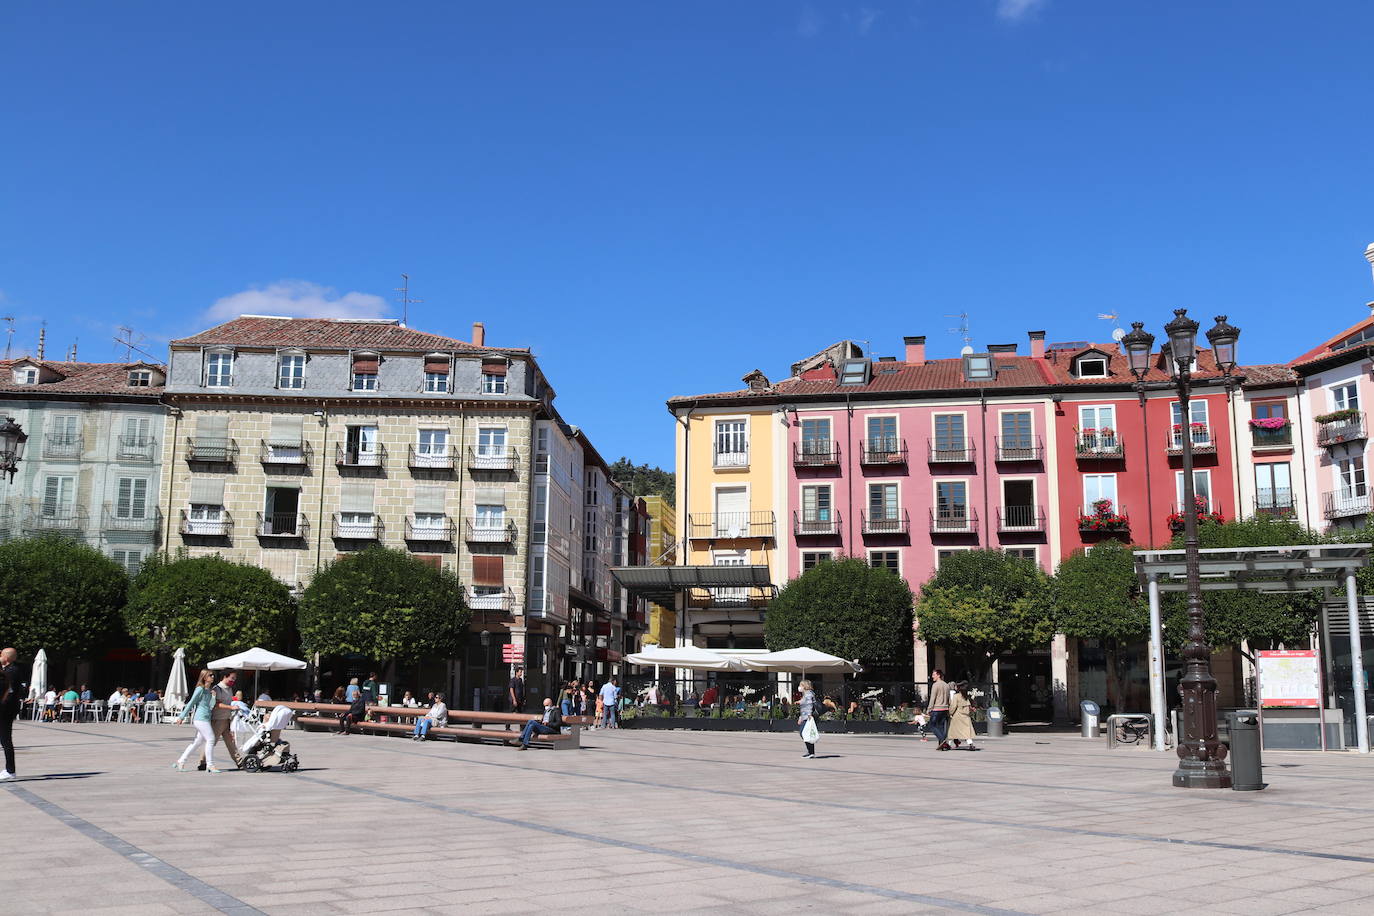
(694, 723)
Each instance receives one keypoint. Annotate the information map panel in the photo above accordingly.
(1289, 677)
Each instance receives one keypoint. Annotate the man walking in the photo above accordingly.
(9, 707)
(516, 690)
(610, 700)
(222, 716)
(938, 708)
(549, 725)
(370, 691)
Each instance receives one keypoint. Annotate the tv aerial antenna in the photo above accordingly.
(1117, 331)
(405, 301)
(126, 338)
(9, 334)
(962, 331)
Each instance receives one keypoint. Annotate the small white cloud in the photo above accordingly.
(867, 17)
(811, 22)
(1017, 10)
(298, 299)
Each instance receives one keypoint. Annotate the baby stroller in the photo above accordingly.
(263, 748)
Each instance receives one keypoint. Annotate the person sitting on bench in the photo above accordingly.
(357, 712)
(549, 725)
(437, 715)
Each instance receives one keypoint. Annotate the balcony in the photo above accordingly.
(953, 520)
(815, 524)
(491, 459)
(146, 523)
(878, 452)
(753, 596)
(286, 525)
(1103, 517)
(289, 454)
(731, 525)
(813, 453)
(886, 523)
(503, 601)
(135, 448)
(62, 445)
(442, 531)
(487, 531)
(1345, 503)
(1020, 520)
(1339, 427)
(1099, 446)
(1262, 438)
(369, 529)
(353, 456)
(68, 520)
(1275, 501)
(431, 458)
(734, 457)
(221, 526)
(951, 451)
(1200, 435)
(212, 449)
(1019, 448)
(1203, 513)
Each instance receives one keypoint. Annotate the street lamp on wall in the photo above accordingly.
(12, 439)
(1202, 756)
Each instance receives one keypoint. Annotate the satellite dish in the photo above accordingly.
(966, 350)
(1117, 334)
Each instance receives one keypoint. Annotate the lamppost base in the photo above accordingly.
(1192, 774)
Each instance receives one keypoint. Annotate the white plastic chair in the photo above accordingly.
(69, 710)
(152, 713)
(125, 712)
(95, 710)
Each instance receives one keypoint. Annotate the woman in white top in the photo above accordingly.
(409, 701)
(437, 715)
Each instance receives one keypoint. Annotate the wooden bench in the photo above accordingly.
(463, 724)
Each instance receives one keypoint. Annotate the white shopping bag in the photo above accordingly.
(810, 732)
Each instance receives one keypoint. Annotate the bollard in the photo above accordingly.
(994, 722)
(1091, 712)
(1246, 768)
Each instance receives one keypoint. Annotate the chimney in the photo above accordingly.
(1037, 342)
(479, 334)
(1369, 254)
(915, 349)
(757, 381)
(1002, 348)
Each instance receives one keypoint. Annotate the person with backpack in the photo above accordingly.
(808, 710)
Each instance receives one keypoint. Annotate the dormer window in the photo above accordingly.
(494, 378)
(290, 369)
(26, 375)
(365, 371)
(219, 368)
(1091, 365)
(978, 367)
(856, 372)
(437, 373)
(140, 378)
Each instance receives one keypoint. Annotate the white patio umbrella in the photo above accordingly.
(688, 657)
(799, 660)
(174, 697)
(38, 678)
(255, 660)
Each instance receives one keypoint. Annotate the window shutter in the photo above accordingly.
(489, 496)
(366, 364)
(212, 427)
(286, 430)
(488, 570)
(432, 560)
(429, 499)
(52, 495)
(437, 364)
(207, 490)
(356, 497)
(493, 368)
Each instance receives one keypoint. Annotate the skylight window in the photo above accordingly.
(978, 367)
(1092, 367)
(855, 372)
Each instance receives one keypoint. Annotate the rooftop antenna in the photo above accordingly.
(71, 351)
(42, 340)
(1117, 332)
(9, 334)
(125, 338)
(962, 331)
(405, 300)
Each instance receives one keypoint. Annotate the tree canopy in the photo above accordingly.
(1096, 595)
(983, 603)
(60, 596)
(642, 480)
(846, 608)
(209, 606)
(384, 604)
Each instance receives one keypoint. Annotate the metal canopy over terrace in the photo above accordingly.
(662, 584)
(1295, 568)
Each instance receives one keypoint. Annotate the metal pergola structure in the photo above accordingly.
(1263, 569)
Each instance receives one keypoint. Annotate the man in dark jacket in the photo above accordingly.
(357, 711)
(549, 725)
(10, 695)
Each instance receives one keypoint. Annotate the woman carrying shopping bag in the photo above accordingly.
(809, 710)
(197, 710)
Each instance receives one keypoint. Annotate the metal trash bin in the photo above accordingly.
(1246, 767)
(994, 722)
(1091, 715)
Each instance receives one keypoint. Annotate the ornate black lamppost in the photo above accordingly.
(1202, 756)
(12, 439)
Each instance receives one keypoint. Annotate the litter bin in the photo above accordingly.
(1246, 775)
(1091, 714)
(994, 722)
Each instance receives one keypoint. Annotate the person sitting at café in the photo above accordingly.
(338, 696)
(71, 697)
(50, 705)
(550, 724)
(437, 715)
(264, 697)
(409, 701)
(85, 694)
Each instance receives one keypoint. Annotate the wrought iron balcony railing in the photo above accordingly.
(485, 531)
(816, 523)
(368, 529)
(489, 459)
(212, 449)
(1100, 445)
(1201, 436)
(953, 520)
(131, 519)
(430, 458)
(221, 526)
(353, 456)
(735, 457)
(62, 519)
(1271, 438)
(63, 445)
(503, 601)
(814, 453)
(951, 451)
(1347, 427)
(895, 523)
(441, 531)
(717, 525)
(883, 450)
(1013, 519)
(283, 525)
(753, 596)
(136, 448)
(1274, 501)
(295, 453)
(1020, 448)
(1345, 502)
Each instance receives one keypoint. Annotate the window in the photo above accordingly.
(138, 378)
(365, 366)
(882, 434)
(732, 512)
(26, 375)
(1094, 366)
(64, 430)
(433, 443)
(436, 382)
(1345, 397)
(364, 381)
(437, 368)
(1273, 487)
(205, 519)
(732, 443)
(885, 559)
(490, 517)
(978, 367)
(355, 524)
(1018, 506)
(1349, 477)
(1197, 423)
(1099, 486)
(291, 370)
(491, 442)
(59, 493)
(950, 444)
(1202, 489)
(131, 499)
(951, 504)
(882, 502)
(1097, 429)
(1269, 410)
(1022, 553)
(730, 558)
(493, 384)
(816, 517)
(815, 436)
(810, 559)
(136, 431)
(219, 370)
(131, 560)
(944, 553)
(360, 443)
(855, 372)
(430, 521)
(1016, 432)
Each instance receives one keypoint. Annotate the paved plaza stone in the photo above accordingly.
(654, 821)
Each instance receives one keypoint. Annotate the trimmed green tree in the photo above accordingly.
(844, 607)
(384, 604)
(60, 596)
(209, 606)
(982, 604)
(1096, 596)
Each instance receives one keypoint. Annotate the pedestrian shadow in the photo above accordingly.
(51, 776)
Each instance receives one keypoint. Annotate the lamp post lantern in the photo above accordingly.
(1202, 756)
(12, 439)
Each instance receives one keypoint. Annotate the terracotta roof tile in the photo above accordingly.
(250, 331)
(80, 378)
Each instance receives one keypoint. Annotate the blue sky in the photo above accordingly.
(660, 197)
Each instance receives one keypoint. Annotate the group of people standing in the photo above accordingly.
(586, 699)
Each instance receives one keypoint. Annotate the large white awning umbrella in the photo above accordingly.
(688, 657)
(799, 660)
(38, 678)
(174, 697)
(255, 660)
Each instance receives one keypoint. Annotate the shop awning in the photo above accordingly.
(663, 583)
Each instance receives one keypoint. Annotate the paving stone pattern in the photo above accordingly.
(673, 822)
